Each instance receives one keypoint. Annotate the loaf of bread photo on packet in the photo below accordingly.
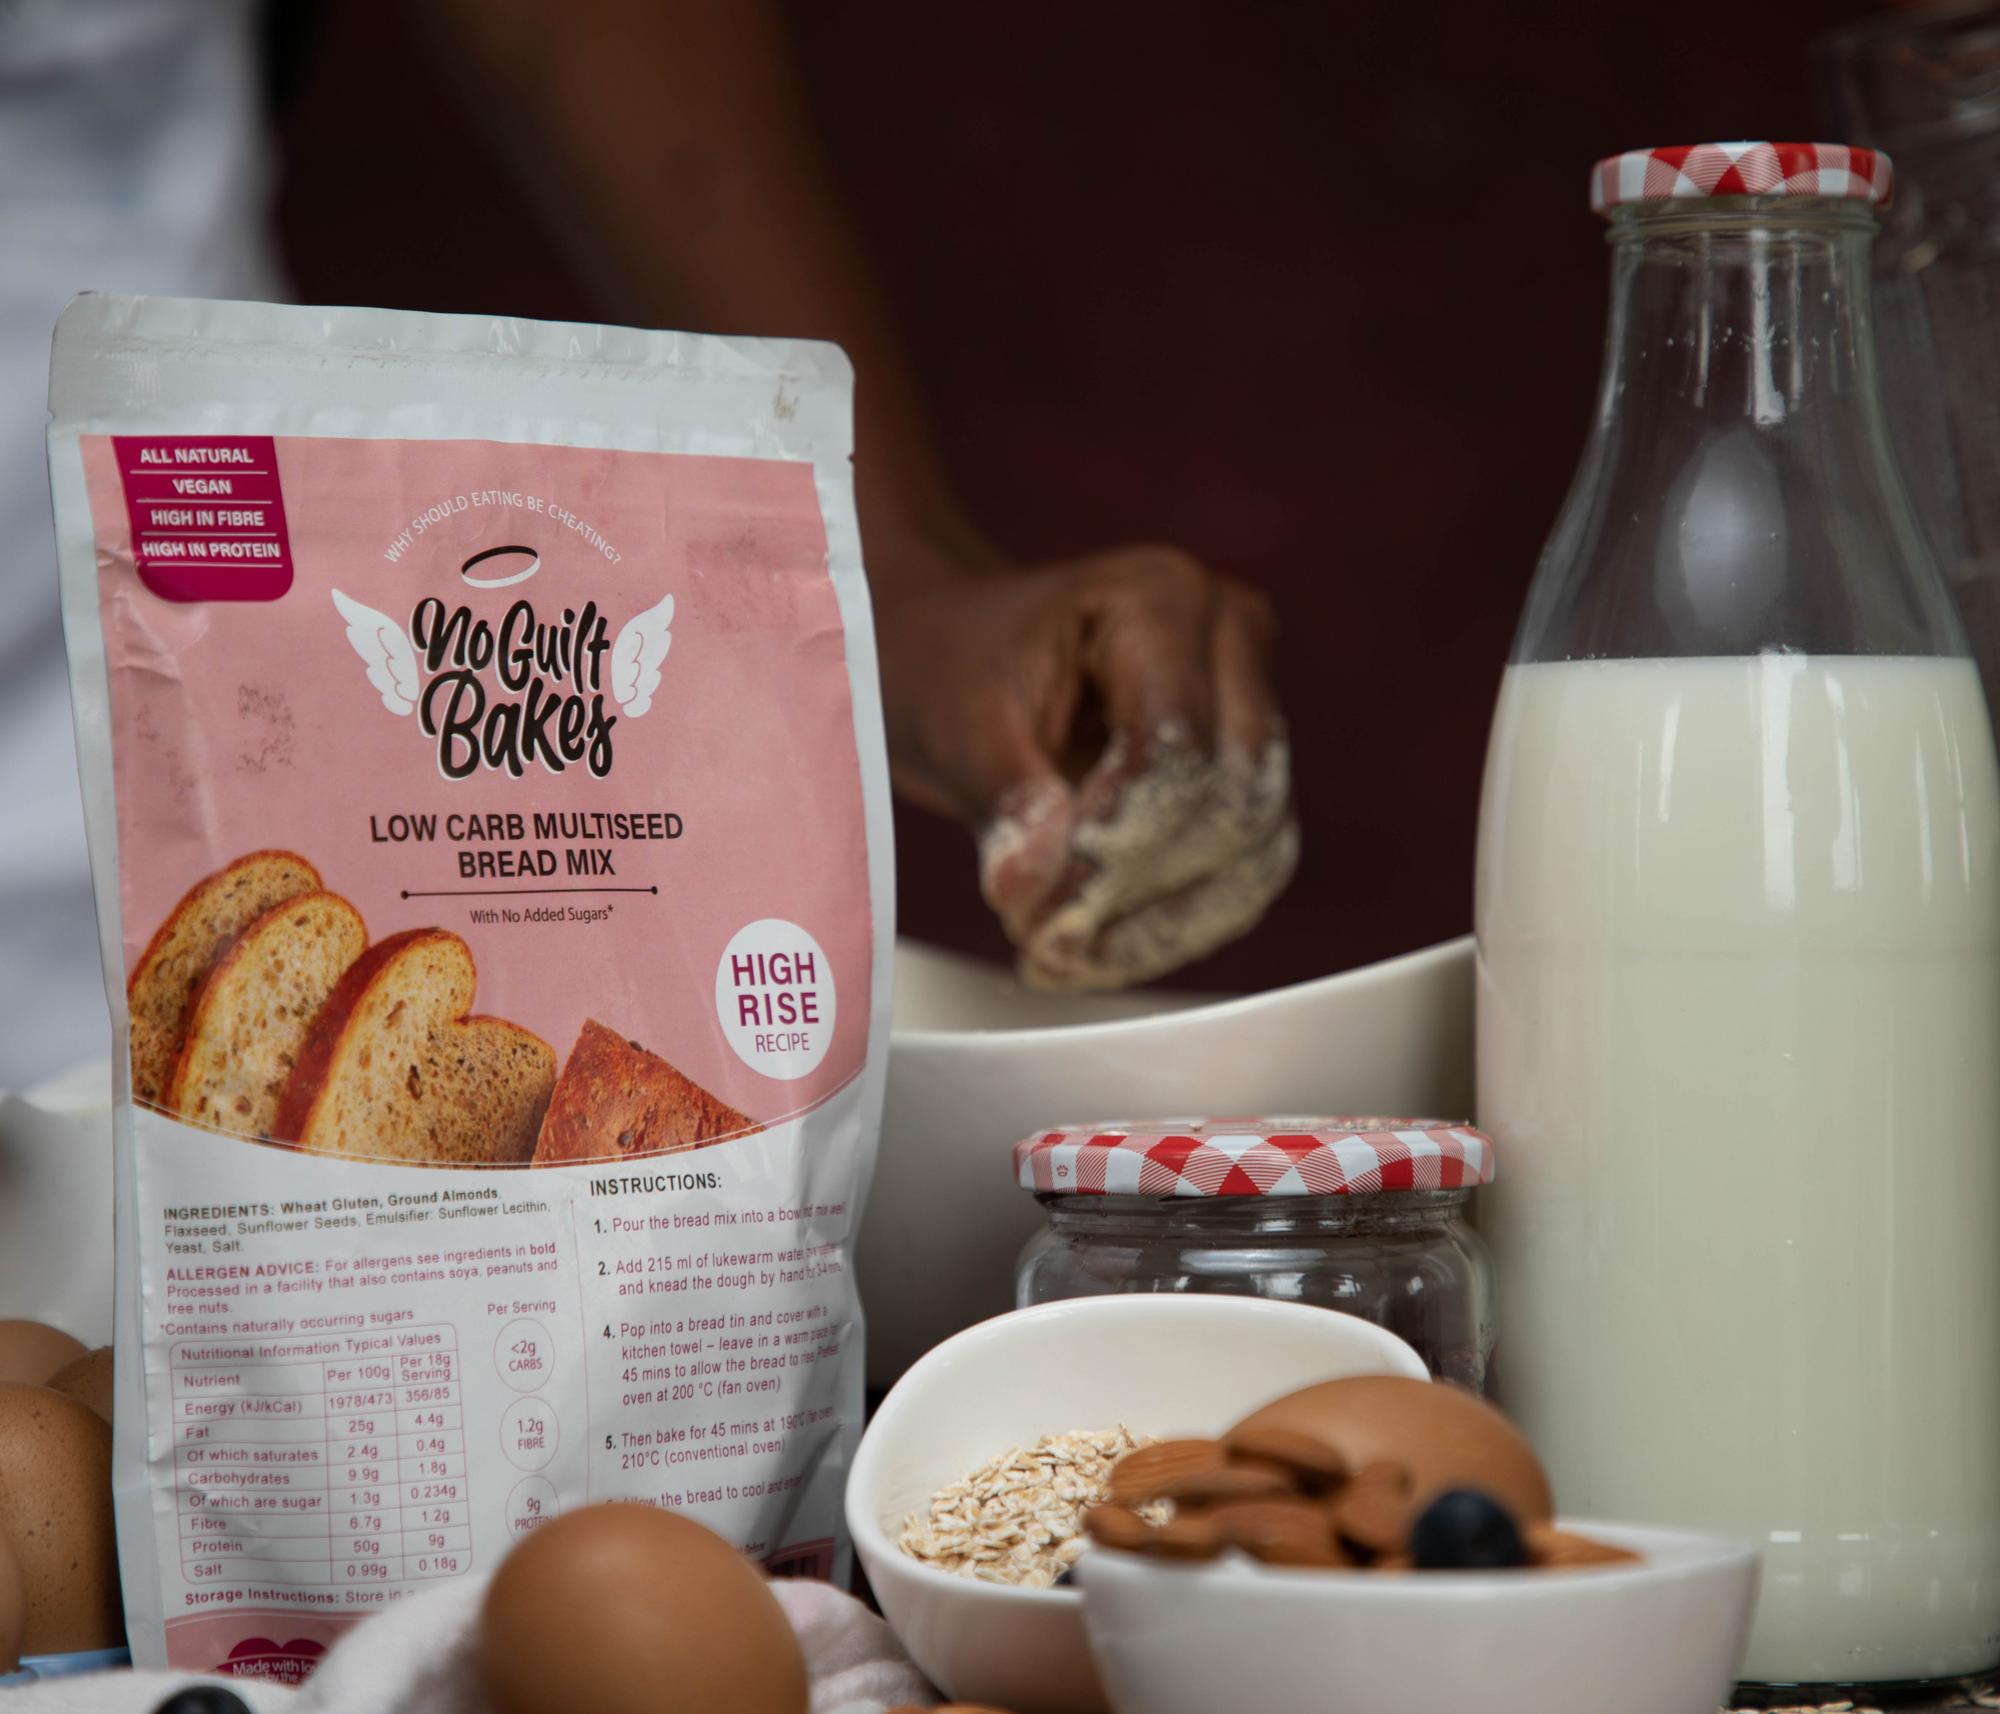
(260, 1008)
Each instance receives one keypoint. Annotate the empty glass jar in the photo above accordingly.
(1362, 1215)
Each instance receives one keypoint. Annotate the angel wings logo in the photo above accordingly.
(552, 680)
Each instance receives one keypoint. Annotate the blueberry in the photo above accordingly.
(1066, 1579)
(1466, 1530)
(203, 1699)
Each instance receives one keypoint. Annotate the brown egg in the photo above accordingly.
(32, 1353)
(87, 1380)
(55, 1513)
(13, 1609)
(1444, 1437)
(625, 1609)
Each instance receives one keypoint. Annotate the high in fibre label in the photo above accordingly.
(208, 519)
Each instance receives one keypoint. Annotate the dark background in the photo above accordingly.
(1309, 289)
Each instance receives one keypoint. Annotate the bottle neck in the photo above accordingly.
(1738, 492)
(1758, 317)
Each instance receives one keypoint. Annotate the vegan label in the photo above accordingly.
(208, 519)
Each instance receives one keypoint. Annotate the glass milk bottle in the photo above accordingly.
(1738, 907)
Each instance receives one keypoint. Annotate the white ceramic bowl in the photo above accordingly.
(976, 1062)
(1663, 1637)
(1160, 1365)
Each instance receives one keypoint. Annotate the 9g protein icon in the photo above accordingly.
(559, 664)
(774, 997)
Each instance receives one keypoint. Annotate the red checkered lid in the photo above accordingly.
(1741, 169)
(1281, 1156)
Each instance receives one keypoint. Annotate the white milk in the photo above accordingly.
(1739, 1044)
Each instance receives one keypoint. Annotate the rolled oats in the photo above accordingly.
(1018, 1518)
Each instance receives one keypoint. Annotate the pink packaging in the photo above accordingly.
(483, 761)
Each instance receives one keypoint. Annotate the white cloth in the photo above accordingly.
(132, 158)
(852, 1657)
(416, 1658)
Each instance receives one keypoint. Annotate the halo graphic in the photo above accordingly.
(534, 565)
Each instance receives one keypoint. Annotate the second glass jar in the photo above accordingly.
(1367, 1216)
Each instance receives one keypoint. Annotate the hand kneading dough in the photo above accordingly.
(1190, 858)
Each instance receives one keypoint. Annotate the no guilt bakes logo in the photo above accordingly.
(549, 673)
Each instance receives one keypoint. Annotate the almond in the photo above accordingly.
(1149, 1473)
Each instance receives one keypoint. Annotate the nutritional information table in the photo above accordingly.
(321, 1460)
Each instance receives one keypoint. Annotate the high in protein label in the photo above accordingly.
(207, 516)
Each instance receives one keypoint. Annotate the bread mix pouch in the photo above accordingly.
(483, 761)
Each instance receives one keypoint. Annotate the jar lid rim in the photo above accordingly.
(1272, 1155)
(1741, 169)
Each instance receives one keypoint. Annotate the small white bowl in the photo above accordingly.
(1159, 1364)
(1663, 1637)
